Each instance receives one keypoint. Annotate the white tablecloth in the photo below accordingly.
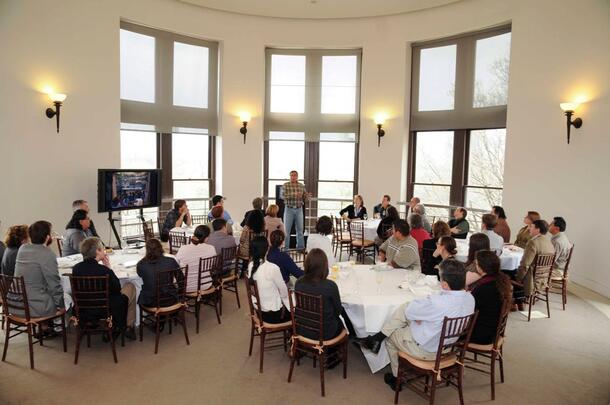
(190, 230)
(509, 259)
(370, 228)
(369, 305)
(122, 262)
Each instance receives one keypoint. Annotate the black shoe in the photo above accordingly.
(371, 344)
(389, 379)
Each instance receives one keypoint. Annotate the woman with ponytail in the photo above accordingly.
(490, 292)
(189, 255)
(272, 289)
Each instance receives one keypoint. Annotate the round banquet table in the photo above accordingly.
(369, 305)
(123, 263)
(509, 259)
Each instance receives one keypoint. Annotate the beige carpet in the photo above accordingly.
(562, 360)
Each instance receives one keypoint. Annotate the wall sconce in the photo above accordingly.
(380, 120)
(244, 117)
(569, 109)
(57, 99)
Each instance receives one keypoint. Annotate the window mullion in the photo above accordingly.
(460, 144)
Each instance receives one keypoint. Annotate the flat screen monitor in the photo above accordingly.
(119, 190)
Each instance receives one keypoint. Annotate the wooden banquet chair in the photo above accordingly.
(60, 245)
(541, 275)
(177, 239)
(92, 310)
(200, 219)
(363, 247)
(148, 230)
(169, 304)
(229, 274)
(447, 368)
(307, 313)
(559, 285)
(341, 236)
(209, 271)
(492, 351)
(298, 256)
(267, 332)
(17, 316)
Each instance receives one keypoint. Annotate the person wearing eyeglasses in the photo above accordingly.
(77, 230)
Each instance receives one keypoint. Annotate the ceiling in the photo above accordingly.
(319, 8)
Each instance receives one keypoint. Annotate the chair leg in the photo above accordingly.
(197, 311)
(220, 297)
(183, 322)
(548, 304)
(141, 327)
(217, 302)
(501, 361)
(344, 360)
(293, 355)
(64, 336)
(237, 295)
(262, 351)
(6, 337)
(460, 380)
(251, 340)
(79, 336)
(433, 389)
(284, 340)
(398, 383)
(529, 310)
(493, 375)
(322, 362)
(564, 293)
(31, 346)
(157, 333)
(112, 345)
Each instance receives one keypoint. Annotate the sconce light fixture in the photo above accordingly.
(568, 109)
(380, 120)
(244, 117)
(57, 99)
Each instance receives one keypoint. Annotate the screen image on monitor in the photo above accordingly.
(128, 189)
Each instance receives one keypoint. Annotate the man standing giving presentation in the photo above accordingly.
(295, 196)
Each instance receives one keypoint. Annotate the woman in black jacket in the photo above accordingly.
(490, 292)
(357, 210)
(152, 263)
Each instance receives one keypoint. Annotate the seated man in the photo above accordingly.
(176, 218)
(218, 213)
(122, 299)
(37, 264)
(220, 238)
(496, 242)
(381, 210)
(540, 243)
(415, 327)
(84, 205)
(400, 250)
(257, 205)
(459, 225)
(218, 201)
(562, 245)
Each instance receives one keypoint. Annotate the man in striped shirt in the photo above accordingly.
(400, 250)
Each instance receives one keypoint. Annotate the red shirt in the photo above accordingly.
(420, 235)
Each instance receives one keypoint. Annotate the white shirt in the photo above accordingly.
(271, 286)
(319, 241)
(432, 310)
(188, 255)
(496, 242)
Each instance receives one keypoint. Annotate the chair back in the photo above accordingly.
(387, 230)
(200, 219)
(427, 260)
(229, 260)
(253, 235)
(148, 230)
(209, 271)
(543, 266)
(298, 256)
(455, 336)
(14, 296)
(170, 287)
(176, 239)
(253, 300)
(307, 312)
(565, 270)
(503, 321)
(336, 228)
(91, 297)
(60, 245)
(356, 231)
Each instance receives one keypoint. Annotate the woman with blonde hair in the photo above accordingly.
(272, 221)
(357, 210)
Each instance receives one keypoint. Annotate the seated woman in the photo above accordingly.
(189, 255)
(384, 229)
(77, 231)
(255, 226)
(417, 229)
(477, 242)
(272, 289)
(272, 222)
(502, 227)
(489, 292)
(355, 210)
(315, 282)
(439, 229)
(321, 240)
(153, 262)
(446, 248)
(523, 236)
(282, 259)
(122, 299)
(15, 237)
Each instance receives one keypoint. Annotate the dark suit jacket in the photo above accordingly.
(488, 302)
(148, 272)
(351, 212)
(332, 307)
(247, 214)
(118, 302)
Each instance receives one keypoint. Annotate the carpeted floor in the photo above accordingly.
(562, 360)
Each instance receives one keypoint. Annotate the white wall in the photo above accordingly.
(557, 52)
